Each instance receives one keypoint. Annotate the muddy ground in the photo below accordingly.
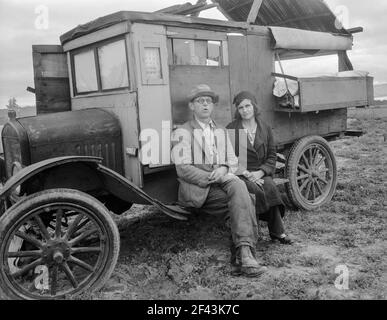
(165, 259)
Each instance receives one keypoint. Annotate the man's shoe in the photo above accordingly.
(234, 260)
(252, 272)
(283, 239)
(249, 266)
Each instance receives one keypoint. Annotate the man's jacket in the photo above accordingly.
(193, 162)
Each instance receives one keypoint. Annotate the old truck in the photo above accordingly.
(80, 158)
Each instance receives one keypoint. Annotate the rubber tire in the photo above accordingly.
(18, 212)
(291, 171)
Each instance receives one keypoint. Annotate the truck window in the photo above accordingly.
(112, 64)
(196, 52)
(85, 72)
(100, 67)
(152, 59)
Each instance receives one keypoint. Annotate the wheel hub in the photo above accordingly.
(314, 174)
(56, 251)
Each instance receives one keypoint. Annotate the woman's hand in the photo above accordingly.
(258, 175)
(255, 177)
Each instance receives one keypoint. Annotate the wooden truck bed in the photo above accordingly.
(326, 93)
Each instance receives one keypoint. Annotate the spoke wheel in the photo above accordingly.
(312, 173)
(56, 243)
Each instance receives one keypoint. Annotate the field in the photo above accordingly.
(165, 259)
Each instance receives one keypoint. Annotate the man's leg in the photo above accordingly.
(232, 200)
(241, 212)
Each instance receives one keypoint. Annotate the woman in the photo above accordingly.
(260, 160)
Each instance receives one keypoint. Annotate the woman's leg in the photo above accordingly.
(275, 223)
(276, 226)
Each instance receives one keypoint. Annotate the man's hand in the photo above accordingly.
(217, 174)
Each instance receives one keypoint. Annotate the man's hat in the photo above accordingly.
(202, 90)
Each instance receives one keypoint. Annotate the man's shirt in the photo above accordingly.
(209, 139)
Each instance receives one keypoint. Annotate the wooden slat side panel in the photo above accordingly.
(288, 128)
(184, 78)
(335, 93)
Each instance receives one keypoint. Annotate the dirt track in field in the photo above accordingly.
(165, 259)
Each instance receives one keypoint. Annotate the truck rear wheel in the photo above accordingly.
(54, 244)
(312, 173)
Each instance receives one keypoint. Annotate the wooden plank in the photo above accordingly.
(321, 93)
(329, 79)
(261, 66)
(52, 65)
(190, 33)
(355, 30)
(52, 95)
(254, 11)
(331, 106)
(239, 65)
(166, 19)
(222, 11)
(370, 90)
(290, 127)
(344, 61)
(39, 48)
(52, 87)
(194, 12)
(217, 78)
(99, 35)
(280, 75)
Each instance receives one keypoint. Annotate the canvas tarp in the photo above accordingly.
(295, 39)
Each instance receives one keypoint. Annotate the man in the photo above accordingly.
(205, 164)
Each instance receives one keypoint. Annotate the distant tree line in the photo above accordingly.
(12, 104)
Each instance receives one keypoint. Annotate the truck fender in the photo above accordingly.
(133, 190)
(32, 170)
(113, 182)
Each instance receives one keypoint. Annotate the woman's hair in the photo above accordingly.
(243, 96)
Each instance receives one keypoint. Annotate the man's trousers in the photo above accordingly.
(232, 200)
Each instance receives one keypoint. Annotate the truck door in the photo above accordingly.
(198, 57)
(154, 101)
(52, 88)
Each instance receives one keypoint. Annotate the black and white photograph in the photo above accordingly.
(194, 155)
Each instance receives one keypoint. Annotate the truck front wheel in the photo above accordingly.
(54, 244)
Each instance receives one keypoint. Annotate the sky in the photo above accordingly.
(23, 23)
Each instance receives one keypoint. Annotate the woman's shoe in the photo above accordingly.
(283, 239)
